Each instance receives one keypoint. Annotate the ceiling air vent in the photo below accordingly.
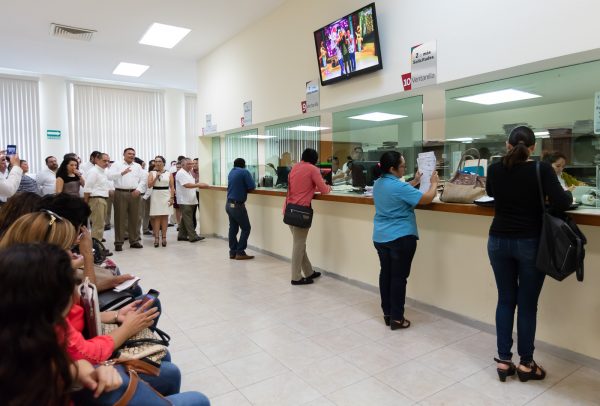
(64, 31)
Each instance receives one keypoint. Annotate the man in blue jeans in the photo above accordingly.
(239, 183)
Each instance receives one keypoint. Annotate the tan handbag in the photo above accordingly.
(464, 187)
(133, 367)
(149, 345)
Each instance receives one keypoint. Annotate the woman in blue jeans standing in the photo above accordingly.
(395, 232)
(513, 244)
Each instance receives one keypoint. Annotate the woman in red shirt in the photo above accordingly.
(303, 181)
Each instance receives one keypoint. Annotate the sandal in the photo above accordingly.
(164, 241)
(155, 242)
(395, 325)
(386, 320)
(532, 375)
(503, 373)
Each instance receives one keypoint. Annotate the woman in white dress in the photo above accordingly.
(161, 199)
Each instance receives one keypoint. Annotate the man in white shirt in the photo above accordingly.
(10, 183)
(95, 193)
(84, 168)
(128, 178)
(46, 179)
(186, 198)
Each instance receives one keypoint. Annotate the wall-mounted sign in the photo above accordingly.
(313, 96)
(407, 81)
(303, 106)
(247, 113)
(53, 134)
(209, 128)
(597, 113)
(423, 62)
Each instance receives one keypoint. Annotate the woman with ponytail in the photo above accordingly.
(513, 244)
(395, 233)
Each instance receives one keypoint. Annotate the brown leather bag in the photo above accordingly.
(133, 367)
(464, 187)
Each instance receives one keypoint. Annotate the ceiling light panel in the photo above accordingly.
(164, 36)
(500, 96)
(130, 69)
(307, 128)
(377, 116)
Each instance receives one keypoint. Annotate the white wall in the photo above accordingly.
(270, 62)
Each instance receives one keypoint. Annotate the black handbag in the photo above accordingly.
(561, 249)
(296, 215)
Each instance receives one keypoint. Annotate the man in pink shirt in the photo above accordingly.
(303, 181)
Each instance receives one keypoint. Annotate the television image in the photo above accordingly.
(349, 46)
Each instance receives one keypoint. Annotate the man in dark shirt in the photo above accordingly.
(239, 183)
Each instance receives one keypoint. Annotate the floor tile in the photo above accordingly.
(368, 392)
(209, 381)
(580, 388)
(331, 374)
(459, 395)
(234, 398)
(453, 363)
(285, 389)
(251, 369)
(374, 358)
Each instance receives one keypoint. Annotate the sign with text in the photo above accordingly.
(247, 113)
(313, 96)
(303, 106)
(209, 128)
(53, 134)
(423, 62)
(407, 81)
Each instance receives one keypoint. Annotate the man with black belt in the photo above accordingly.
(186, 198)
(128, 177)
(95, 193)
(239, 183)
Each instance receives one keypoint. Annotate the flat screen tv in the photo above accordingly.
(349, 46)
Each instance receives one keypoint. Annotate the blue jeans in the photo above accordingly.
(519, 284)
(238, 219)
(395, 258)
(144, 395)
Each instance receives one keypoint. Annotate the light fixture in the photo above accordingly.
(541, 133)
(463, 139)
(258, 136)
(130, 69)
(497, 97)
(164, 36)
(307, 128)
(377, 116)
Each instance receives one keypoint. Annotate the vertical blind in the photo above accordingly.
(191, 124)
(110, 119)
(243, 144)
(292, 141)
(20, 119)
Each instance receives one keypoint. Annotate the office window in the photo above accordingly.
(242, 144)
(109, 119)
(285, 142)
(20, 119)
(216, 160)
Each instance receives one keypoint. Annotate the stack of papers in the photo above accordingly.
(126, 285)
(426, 163)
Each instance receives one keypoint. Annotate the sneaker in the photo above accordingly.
(303, 281)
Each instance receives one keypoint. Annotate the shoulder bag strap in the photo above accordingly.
(130, 391)
(539, 182)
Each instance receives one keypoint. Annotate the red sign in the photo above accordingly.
(242, 121)
(407, 81)
(303, 106)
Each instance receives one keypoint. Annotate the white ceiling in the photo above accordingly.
(26, 45)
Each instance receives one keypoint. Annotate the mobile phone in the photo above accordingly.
(11, 150)
(151, 295)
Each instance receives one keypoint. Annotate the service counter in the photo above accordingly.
(451, 270)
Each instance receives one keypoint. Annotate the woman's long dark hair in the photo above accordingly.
(19, 204)
(62, 171)
(36, 284)
(521, 138)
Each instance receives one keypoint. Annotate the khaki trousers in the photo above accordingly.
(186, 228)
(300, 262)
(98, 207)
(109, 206)
(127, 217)
(145, 214)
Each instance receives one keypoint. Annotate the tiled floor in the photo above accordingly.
(244, 336)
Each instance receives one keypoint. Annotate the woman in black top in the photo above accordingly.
(68, 177)
(513, 244)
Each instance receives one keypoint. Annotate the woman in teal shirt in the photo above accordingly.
(395, 233)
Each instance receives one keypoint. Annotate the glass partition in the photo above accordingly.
(284, 144)
(242, 144)
(216, 160)
(362, 134)
(558, 104)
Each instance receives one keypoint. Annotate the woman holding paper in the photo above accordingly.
(395, 233)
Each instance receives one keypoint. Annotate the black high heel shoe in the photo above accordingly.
(386, 320)
(532, 375)
(395, 325)
(155, 242)
(503, 373)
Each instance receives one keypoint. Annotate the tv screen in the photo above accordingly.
(349, 46)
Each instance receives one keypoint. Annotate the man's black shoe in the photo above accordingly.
(136, 245)
(303, 281)
(118, 248)
(107, 227)
(182, 238)
(314, 275)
